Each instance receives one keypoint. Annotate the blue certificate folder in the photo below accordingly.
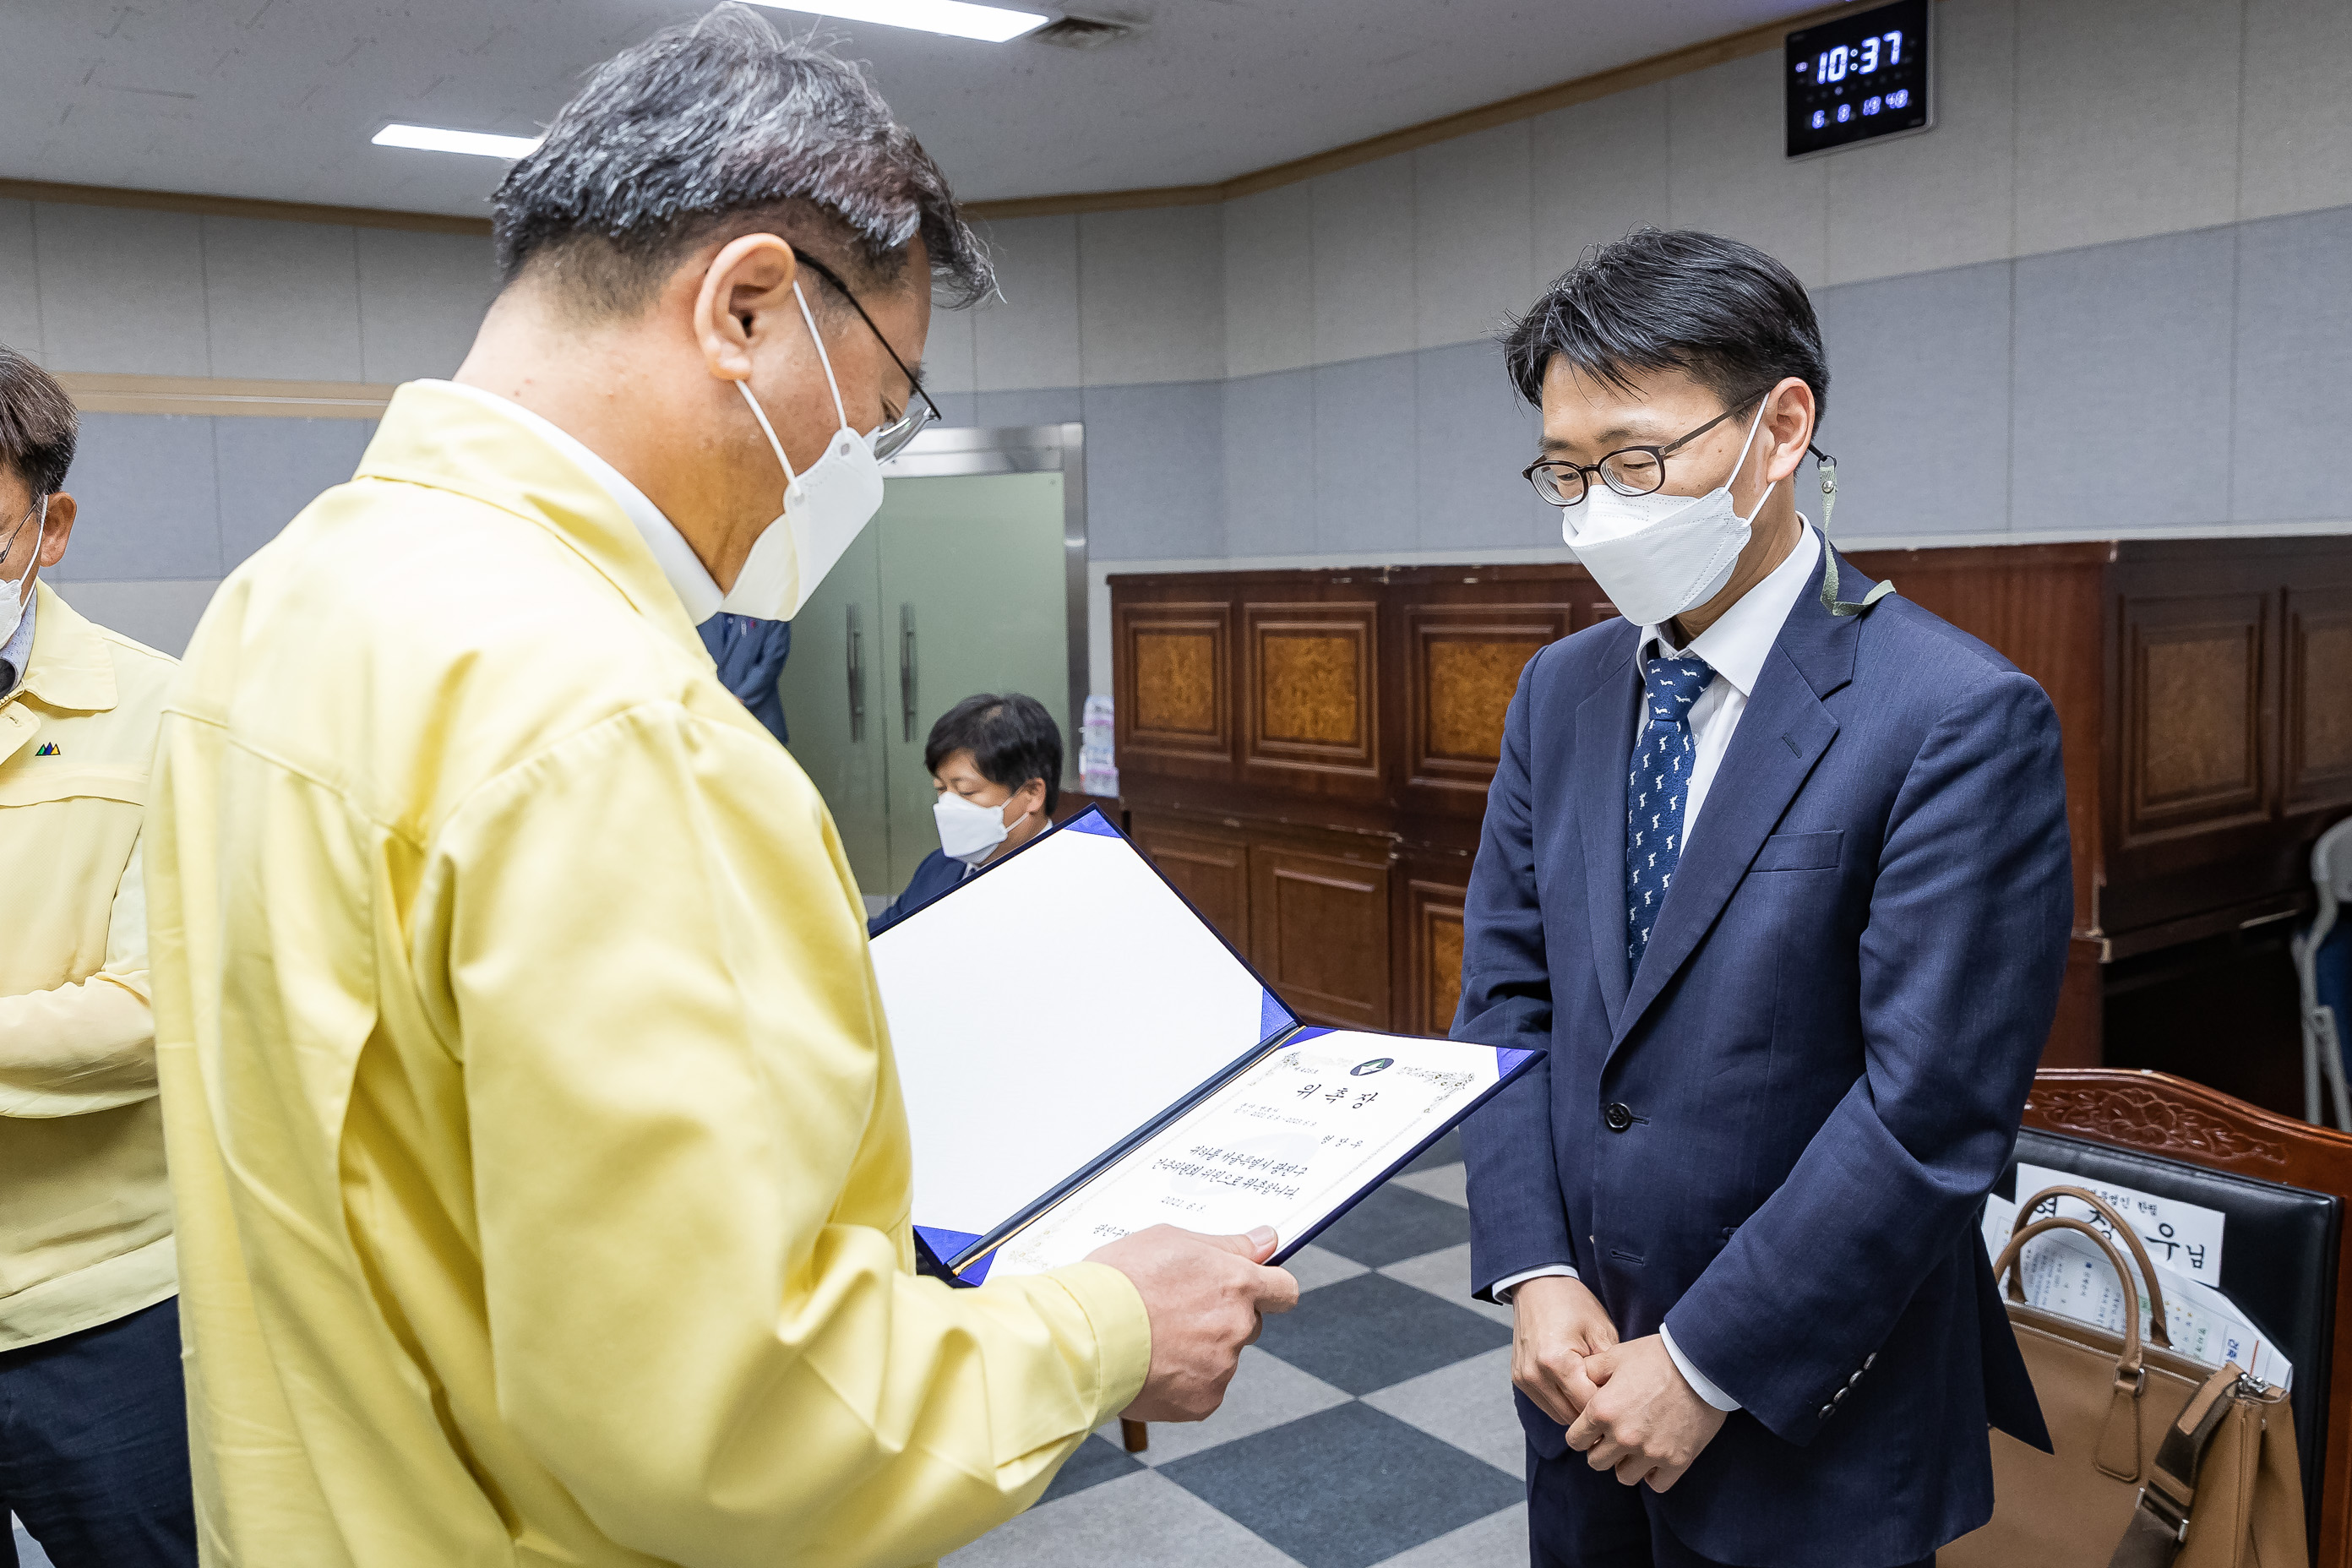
(1053, 1013)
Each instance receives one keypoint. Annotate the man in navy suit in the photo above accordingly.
(1777, 868)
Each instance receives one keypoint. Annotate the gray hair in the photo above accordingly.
(715, 126)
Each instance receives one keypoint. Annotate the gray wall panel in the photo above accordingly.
(150, 498)
(2295, 352)
(2122, 356)
(1270, 463)
(1367, 485)
(1155, 471)
(1474, 436)
(1918, 414)
(1048, 405)
(272, 468)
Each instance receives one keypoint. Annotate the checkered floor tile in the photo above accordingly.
(1373, 1425)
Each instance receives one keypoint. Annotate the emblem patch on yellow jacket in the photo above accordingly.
(50, 750)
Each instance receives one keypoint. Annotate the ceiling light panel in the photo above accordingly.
(433, 139)
(957, 19)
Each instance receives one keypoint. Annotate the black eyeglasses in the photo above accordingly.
(1629, 471)
(890, 438)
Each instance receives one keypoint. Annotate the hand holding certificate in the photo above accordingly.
(1287, 1143)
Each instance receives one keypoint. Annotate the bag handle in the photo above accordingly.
(2119, 1453)
(2155, 1324)
(2129, 1368)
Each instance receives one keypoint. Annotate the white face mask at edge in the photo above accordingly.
(16, 594)
(1657, 555)
(825, 508)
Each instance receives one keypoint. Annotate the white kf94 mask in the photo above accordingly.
(16, 595)
(967, 832)
(1658, 555)
(825, 509)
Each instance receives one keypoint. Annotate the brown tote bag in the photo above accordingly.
(2161, 1462)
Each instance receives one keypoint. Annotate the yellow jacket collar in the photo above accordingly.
(439, 437)
(69, 666)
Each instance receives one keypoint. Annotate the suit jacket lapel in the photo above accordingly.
(1782, 735)
(1604, 751)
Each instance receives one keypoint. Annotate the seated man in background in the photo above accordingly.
(94, 1431)
(997, 764)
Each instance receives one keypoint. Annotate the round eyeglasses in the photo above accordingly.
(1629, 471)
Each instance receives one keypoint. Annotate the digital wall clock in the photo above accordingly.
(1859, 78)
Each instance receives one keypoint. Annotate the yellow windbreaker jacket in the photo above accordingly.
(85, 1209)
(542, 1170)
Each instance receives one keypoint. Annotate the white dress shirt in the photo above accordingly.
(672, 553)
(1734, 648)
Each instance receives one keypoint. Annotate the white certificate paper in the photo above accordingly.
(1292, 1139)
(2182, 1237)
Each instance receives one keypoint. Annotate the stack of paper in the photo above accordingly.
(2065, 1272)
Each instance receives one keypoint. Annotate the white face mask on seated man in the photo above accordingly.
(969, 831)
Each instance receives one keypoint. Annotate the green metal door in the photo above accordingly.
(832, 688)
(972, 583)
(959, 586)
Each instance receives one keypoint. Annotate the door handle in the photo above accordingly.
(907, 669)
(857, 678)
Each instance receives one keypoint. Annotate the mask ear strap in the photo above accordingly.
(822, 358)
(1829, 600)
(791, 478)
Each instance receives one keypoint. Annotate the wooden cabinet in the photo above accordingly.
(1307, 755)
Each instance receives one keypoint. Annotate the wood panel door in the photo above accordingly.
(1209, 865)
(2194, 732)
(1319, 932)
(2317, 775)
(1173, 689)
(1462, 663)
(1309, 696)
(1432, 900)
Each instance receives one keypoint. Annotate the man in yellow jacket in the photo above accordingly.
(93, 1436)
(541, 1171)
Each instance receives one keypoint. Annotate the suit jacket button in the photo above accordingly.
(1838, 1398)
(1854, 1379)
(1827, 1411)
(1619, 1116)
(1870, 1361)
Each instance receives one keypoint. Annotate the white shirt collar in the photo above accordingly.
(687, 576)
(1741, 639)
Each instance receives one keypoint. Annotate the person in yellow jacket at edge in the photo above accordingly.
(540, 1167)
(93, 1439)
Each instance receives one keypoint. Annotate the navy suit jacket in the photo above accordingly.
(1821, 1063)
(935, 876)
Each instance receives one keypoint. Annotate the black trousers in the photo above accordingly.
(94, 1446)
(1579, 1517)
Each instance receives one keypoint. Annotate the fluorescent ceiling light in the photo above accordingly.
(433, 139)
(957, 19)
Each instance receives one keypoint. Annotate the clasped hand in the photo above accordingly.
(1626, 1406)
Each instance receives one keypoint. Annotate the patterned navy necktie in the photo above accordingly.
(1655, 793)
